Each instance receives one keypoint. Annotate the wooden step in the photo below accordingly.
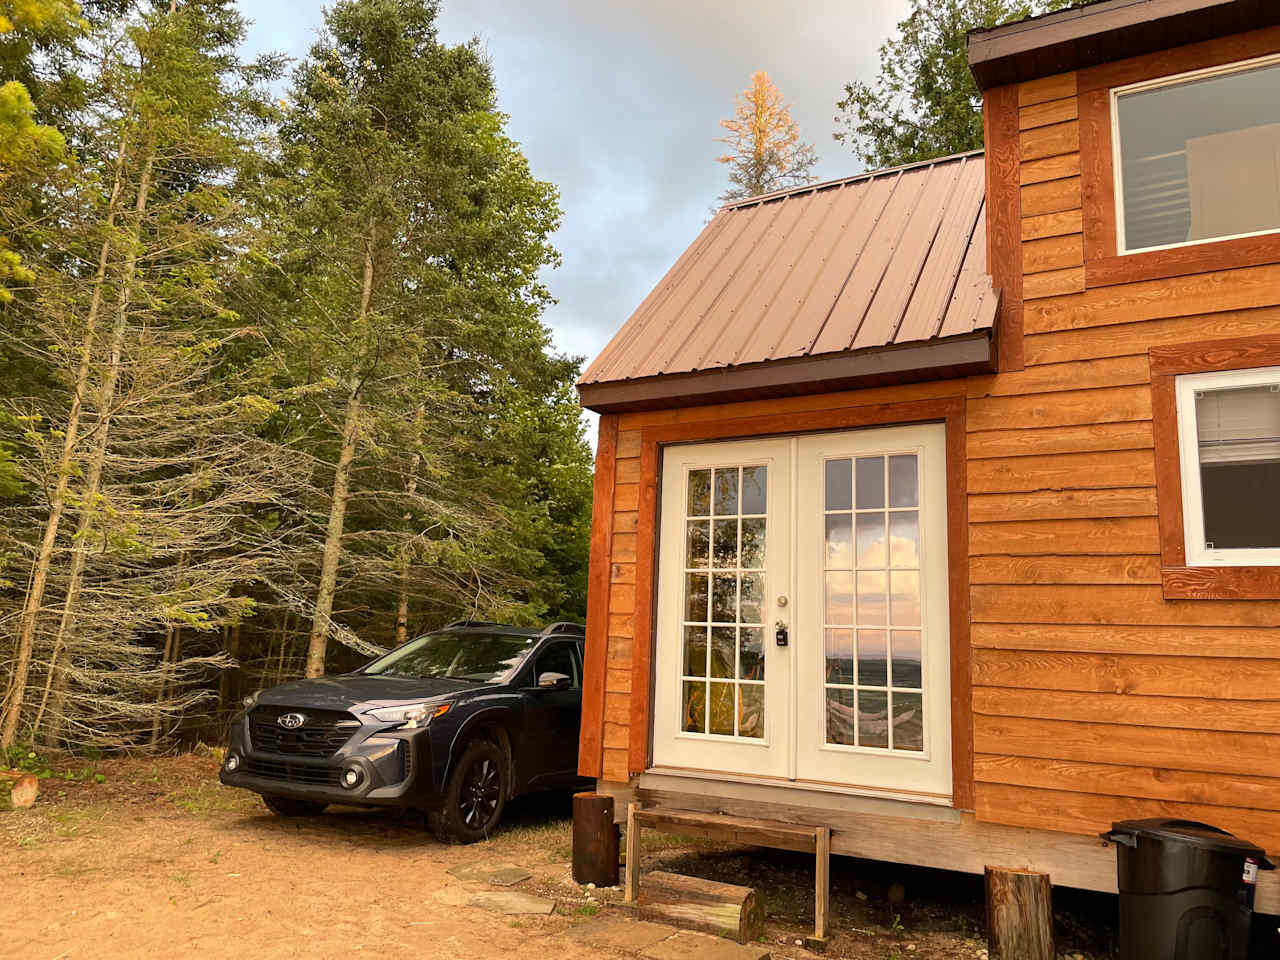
(715, 826)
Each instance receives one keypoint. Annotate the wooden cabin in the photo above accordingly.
(940, 506)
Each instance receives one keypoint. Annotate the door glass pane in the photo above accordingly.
(873, 718)
(905, 608)
(873, 658)
(906, 659)
(751, 710)
(842, 716)
(725, 491)
(870, 483)
(723, 709)
(753, 543)
(839, 484)
(840, 656)
(908, 725)
(839, 599)
(839, 542)
(696, 544)
(723, 642)
(693, 708)
(904, 539)
(871, 545)
(873, 606)
(754, 490)
(902, 481)
(724, 602)
(699, 493)
(695, 651)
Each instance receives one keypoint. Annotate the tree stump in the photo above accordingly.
(17, 789)
(595, 840)
(1019, 915)
(719, 908)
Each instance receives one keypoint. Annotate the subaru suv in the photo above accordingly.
(454, 723)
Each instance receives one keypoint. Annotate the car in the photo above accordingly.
(454, 723)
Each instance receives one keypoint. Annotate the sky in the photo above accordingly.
(618, 103)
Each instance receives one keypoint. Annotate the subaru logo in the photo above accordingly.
(291, 721)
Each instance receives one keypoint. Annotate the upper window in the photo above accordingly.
(1229, 449)
(1198, 156)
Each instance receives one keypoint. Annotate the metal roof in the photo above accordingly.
(868, 263)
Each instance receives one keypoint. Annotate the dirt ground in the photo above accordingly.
(160, 860)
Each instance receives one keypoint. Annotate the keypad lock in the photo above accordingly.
(780, 634)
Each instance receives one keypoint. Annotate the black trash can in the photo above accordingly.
(1186, 890)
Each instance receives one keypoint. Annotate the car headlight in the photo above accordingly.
(411, 715)
(251, 699)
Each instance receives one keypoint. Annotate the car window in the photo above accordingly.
(488, 658)
(559, 658)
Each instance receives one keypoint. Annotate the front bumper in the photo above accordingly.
(394, 768)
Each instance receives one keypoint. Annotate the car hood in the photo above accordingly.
(357, 691)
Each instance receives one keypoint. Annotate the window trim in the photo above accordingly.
(1142, 86)
(1186, 386)
(1179, 578)
(1103, 265)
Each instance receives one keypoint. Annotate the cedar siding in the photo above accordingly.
(1094, 698)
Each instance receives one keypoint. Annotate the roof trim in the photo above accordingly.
(1093, 33)
(845, 181)
(927, 360)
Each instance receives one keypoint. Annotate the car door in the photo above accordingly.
(554, 717)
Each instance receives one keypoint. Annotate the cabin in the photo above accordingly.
(938, 508)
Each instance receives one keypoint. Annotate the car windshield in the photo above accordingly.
(483, 657)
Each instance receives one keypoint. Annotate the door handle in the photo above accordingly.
(780, 636)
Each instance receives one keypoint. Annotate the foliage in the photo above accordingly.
(925, 103)
(765, 149)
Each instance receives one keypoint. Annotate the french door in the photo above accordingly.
(802, 628)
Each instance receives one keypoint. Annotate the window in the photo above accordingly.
(559, 659)
(1229, 453)
(1198, 156)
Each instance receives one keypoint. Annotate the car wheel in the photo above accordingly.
(289, 807)
(475, 796)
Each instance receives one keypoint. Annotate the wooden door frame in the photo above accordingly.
(948, 410)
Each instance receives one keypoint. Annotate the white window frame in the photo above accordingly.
(1118, 169)
(1186, 387)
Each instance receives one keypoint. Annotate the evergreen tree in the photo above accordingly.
(765, 149)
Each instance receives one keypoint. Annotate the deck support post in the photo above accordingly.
(821, 890)
(595, 840)
(632, 888)
(1019, 915)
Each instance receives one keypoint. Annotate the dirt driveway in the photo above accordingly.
(161, 861)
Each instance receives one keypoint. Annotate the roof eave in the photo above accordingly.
(937, 359)
(1085, 36)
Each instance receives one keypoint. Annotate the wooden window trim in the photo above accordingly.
(1181, 582)
(1103, 265)
(951, 412)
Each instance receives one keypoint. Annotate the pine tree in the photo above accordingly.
(765, 149)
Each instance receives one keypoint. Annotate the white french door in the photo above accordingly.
(802, 629)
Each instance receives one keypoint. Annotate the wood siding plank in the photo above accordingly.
(1067, 471)
(1134, 435)
(1054, 283)
(1104, 405)
(1126, 536)
(1194, 713)
(1173, 640)
(1050, 168)
(1050, 141)
(1052, 253)
(1047, 112)
(1056, 569)
(1052, 378)
(1055, 196)
(1122, 339)
(1051, 225)
(1113, 604)
(1063, 504)
(1047, 88)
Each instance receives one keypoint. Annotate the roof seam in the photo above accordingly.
(924, 261)
(955, 281)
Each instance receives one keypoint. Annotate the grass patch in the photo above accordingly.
(209, 797)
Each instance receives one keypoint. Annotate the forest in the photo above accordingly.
(275, 389)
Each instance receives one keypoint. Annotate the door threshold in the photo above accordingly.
(814, 793)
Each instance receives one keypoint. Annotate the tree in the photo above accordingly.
(409, 237)
(924, 103)
(765, 149)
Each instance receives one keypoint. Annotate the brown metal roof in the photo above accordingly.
(1104, 30)
(828, 272)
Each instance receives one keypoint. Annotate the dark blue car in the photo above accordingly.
(454, 723)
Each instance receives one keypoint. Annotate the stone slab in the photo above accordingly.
(499, 874)
(687, 945)
(512, 903)
(621, 933)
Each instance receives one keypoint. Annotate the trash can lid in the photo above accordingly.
(1191, 832)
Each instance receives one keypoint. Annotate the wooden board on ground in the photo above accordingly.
(17, 789)
(720, 908)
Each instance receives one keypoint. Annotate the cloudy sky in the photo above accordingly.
(618, 103)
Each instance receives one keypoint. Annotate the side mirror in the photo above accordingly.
(554, 681)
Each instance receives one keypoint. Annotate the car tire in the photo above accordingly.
(290, 807)
(475, 795)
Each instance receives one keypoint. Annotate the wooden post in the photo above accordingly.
(1019, 915)
(707, 905)
(633, 854)
(821, 890)
(17, 789)
(595, 840)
